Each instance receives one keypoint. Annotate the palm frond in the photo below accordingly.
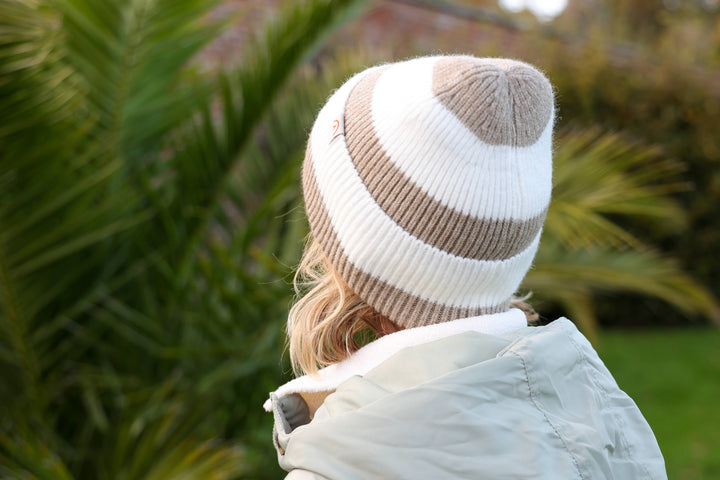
(37, 89)
(129, 55)
(156, 439)
(603, 185)
(568, 277)
(22, 458)
(213, 148)
(601, 178)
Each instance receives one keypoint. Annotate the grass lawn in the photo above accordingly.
(674, 377)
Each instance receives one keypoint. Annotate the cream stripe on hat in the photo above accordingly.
(401, 198)
(427, 212)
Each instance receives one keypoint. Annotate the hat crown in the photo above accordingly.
(504, 102)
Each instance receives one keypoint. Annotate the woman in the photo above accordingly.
(426, 184)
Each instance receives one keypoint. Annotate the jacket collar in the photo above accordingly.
(375, 353)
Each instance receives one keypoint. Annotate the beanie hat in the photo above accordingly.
(426, 183)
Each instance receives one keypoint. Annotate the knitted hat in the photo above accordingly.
(427, 181)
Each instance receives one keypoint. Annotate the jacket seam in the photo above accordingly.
(621, 423)
(547, 419)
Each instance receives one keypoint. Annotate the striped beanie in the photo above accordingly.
(426, 183)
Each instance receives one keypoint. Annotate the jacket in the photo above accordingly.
(466, 403)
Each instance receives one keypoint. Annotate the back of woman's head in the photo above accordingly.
(426, 184)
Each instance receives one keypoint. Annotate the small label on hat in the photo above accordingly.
(337, 128)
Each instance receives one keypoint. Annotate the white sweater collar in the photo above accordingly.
(374, 353)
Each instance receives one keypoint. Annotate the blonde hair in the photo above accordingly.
(329, 321)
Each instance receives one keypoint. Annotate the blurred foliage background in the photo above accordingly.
(150, 213)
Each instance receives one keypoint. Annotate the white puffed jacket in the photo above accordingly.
(477, 398)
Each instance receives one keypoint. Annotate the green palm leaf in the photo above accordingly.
(128, 56)
(599, 178)
(603, 184)
(157, 439)
(36, 87)
(211, 150)
(571, 277)
(113, 164)
(23, 459)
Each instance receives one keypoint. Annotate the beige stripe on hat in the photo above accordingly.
(430, 199)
